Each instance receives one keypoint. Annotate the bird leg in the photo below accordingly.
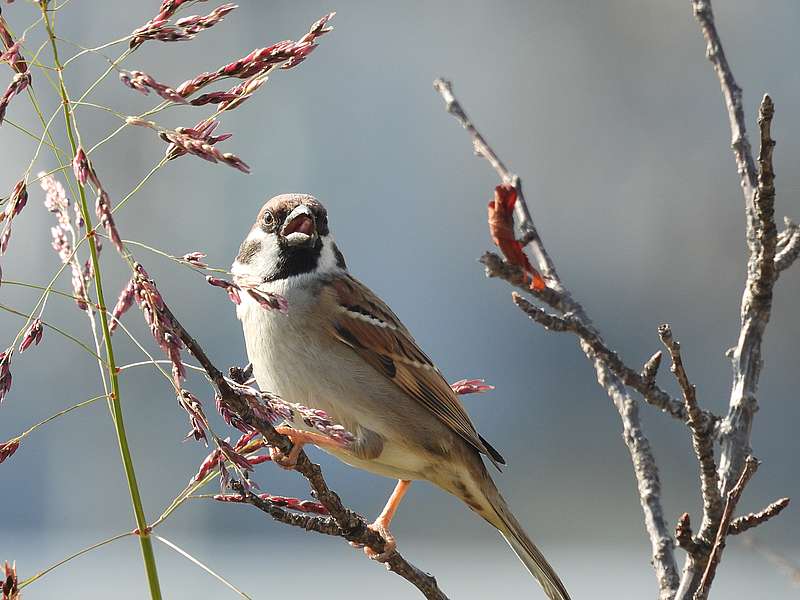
(299, 439)
(381, 524)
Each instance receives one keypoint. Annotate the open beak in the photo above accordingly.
(300, 229)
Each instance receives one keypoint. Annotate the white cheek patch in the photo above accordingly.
(327, 258)
(262, 261)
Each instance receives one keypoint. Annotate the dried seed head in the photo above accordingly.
(199, 142)
(158, 29)
(124, 302)
(231, 288)
(5, 372)
(197, 23)
(17, 63)
(197, 419)
(259, 62)
(63, 233)
(305, 506)
(269, 300)
(102, 208)
(32, 336)
(55, 199)
(161, 325)
(138, 122)
(471, 386)
(16, 202)
(195, 259)
(209, 464)
(81, 167)
(12, 54)
(10, 583)
(17, 85)
(143, 82)
(8, 448)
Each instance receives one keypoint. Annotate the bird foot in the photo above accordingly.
(299, 439)
(286, 461)
(391, 543)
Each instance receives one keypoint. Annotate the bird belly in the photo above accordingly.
(296, 360)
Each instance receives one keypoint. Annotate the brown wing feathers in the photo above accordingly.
(366, 324)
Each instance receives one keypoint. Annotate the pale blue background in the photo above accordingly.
(614, 119)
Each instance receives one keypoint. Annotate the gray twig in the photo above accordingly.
(559, 297)
(702, 442)
(732, 94)
(735, 493)
(643, 382)
(424, 582)
(755, 313)
(530, 235)
(748, 521)
(762, 269)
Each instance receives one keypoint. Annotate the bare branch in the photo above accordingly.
(755, 313)
(750, 467)
(530, 234)
(762, 269)
(742, 524)
(641, 382)
(424, 582)
(559, 297)
(732, 94)
(702, 442)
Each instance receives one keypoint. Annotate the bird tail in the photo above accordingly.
(500, 516)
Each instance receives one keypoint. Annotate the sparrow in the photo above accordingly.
(339, 348)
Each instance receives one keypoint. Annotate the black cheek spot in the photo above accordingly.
(247, 251)
(339, 257)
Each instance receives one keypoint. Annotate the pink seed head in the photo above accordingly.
(32, 336)
(8, 448)
(81, 167)
(195, 259)
(5, 372)
(471, 386)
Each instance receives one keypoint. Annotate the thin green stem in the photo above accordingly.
(177, 259)
(41, 574)
(60, 413)
(28, 133)
(122, 439)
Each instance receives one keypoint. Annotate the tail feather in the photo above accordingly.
(502, 518)
(535, 562)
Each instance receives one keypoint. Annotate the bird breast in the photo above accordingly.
(294, 356)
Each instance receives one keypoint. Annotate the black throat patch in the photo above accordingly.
(295, 260)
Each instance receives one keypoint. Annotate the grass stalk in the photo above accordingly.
(119, 425)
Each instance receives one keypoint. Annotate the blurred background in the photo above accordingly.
(614, 120)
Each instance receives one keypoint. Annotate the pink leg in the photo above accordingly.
(299, 439)
(381, 524)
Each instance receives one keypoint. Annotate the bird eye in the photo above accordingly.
(269, 221)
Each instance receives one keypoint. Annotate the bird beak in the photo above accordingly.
(300, 228)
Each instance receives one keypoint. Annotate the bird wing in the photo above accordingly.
(366, 324)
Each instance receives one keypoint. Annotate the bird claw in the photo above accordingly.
(285, 461)
(388, 550)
